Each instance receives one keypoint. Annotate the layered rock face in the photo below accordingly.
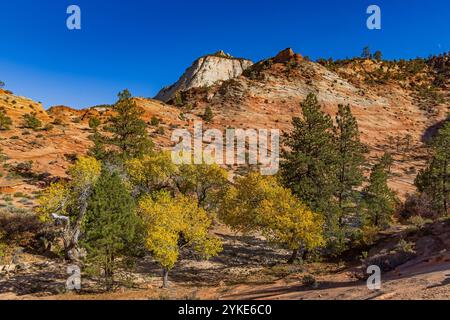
(206, 71)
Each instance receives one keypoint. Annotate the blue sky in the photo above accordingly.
(143, 45)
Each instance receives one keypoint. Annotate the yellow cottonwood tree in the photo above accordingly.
(260, 204)
(156, 171)
(153, 172)
(202, 180)
(67, 201)
(172, 224)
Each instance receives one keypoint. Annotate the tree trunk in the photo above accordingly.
(444, 188)
(165, 278)
(293, 256)
(72, 232)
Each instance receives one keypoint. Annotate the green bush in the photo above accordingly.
(154, 121)
(30, 121)
(5, 121)
(160, 130)
(208, 115)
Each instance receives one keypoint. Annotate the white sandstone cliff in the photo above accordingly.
(206, 71)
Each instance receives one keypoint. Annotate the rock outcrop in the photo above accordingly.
(206, 71)
(287, 55)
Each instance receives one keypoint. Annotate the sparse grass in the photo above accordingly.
(19, 195)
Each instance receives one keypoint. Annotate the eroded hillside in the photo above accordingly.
(387, 98)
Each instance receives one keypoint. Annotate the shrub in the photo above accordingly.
(19, 195)
(160, 130)
(19, 228)
(417, 221)
(154, 121)
(30, 121)
(5, 121)
(417, 205)
(58, 122)
(48, 127)
(309, 281)
(402, 253)
(94, 123)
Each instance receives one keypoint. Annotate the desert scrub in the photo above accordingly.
(154, 121)
(3, 247)
(387, 261)
(160, 130)
(310, 281)
(405, 246)
(418, 221)
(19, 195)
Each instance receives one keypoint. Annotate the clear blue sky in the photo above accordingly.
(146, 44)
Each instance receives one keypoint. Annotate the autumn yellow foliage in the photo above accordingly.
(151, 172)
(174, 223)
(62, 196)
(260, 204)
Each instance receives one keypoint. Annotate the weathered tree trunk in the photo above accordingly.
(72, 231)
(165, 278)
(444, 188)
(293, 256)
(109, 272)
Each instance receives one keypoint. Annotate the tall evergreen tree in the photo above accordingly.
(434, 180)
(350, 161)
(387, 161)
(208, 115)
(366, 54)
(128, 130)
(98, 150)
(110, 226)
(308, 167)
(379, 199)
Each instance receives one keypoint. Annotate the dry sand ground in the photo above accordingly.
(249, 269)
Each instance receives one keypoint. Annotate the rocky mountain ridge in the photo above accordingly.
(267, 95)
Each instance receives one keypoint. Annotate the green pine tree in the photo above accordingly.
(434, 180)
(366, 54)
(128, 130)
(387, 161)
(208, 115)
(98, 150)
(111, 225)
(350, 161)
(378, 55)
(379, 199)
(308, 165)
